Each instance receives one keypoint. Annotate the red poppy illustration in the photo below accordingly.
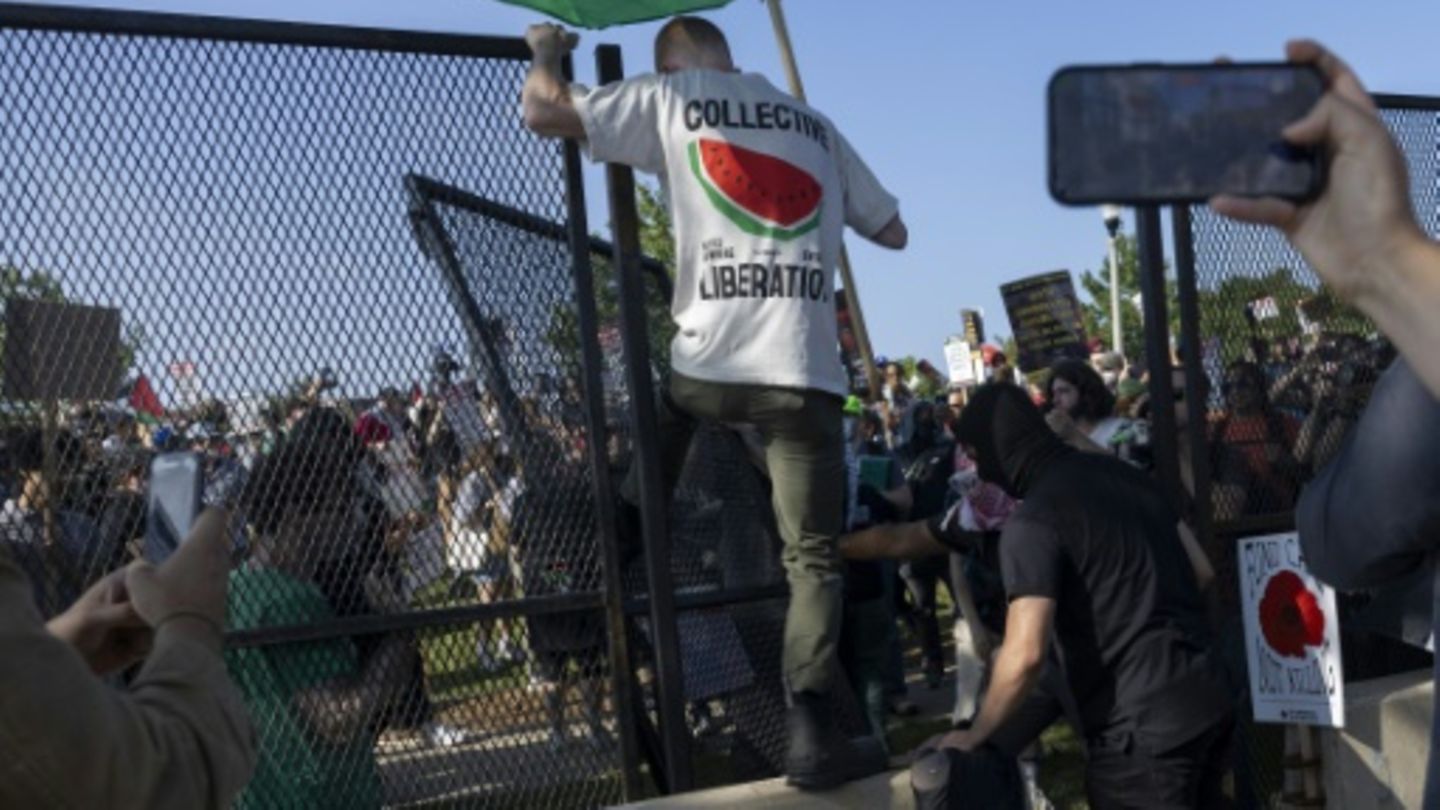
(1290, 616)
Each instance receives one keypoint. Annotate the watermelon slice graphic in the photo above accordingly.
(762, 195)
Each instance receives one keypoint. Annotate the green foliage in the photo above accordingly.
(657, 241)
(1096, 311)
(1009, 347)
(1222, 308)
(657, 233)
(1222, 311)
(922, 386)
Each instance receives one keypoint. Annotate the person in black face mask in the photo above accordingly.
(1097, 579)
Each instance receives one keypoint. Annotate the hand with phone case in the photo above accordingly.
(1365, 216)
(185, 596)
(1360, 236)
(103, 627)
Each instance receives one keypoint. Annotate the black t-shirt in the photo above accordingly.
(1097, 536)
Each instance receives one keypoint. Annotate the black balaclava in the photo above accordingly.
(1011, 441)
(918, 431)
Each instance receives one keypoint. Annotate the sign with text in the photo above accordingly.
(959, 361)
(1045, 316)
(974, 326)
(1292, 635)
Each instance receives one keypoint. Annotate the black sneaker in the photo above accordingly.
(819, 758)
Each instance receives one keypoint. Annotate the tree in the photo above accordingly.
(923, 386)
(1223, 313)
(657, 241)
(657, 233)
(1096, 311)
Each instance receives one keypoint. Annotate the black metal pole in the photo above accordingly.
(1151, 248)
(664, 633)
(1193, 362)
(598, 446)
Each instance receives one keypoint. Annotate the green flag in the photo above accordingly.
(605, 13)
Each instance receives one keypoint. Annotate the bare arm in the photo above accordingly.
(545, 98)
(894, 235)
(1017, 668)
(893, 541)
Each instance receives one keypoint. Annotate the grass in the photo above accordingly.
(1062, 768)
(453, 676)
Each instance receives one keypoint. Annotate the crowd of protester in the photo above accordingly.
(332, 509)
(354, 508)
(342, 508)
(1268, 427)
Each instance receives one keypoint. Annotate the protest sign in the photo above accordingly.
(961, 364)
(973, 324)
(60, 351)
(1045, 316)
(1292, 635)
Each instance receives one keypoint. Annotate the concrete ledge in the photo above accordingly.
(886, 791)
(1378, 760)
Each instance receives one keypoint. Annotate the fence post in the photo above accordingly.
(664, 633)
(1150, 244)
(1193, 363)
(598, 446)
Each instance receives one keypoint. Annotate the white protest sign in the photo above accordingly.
(1292, 635)
(957, 357)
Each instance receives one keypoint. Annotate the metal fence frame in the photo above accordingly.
(1158, 358)
(573, 233)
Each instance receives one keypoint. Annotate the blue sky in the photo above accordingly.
(945, 101)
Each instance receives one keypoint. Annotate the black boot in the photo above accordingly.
(819, 756)
(628, 531)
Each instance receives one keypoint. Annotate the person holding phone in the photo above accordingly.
(1370, 517)
(176, 736)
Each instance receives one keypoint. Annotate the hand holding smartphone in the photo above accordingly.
(1166, 134)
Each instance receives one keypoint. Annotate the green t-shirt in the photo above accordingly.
(297, 769)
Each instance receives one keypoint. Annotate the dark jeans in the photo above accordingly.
(1124, 773)
(922, 578)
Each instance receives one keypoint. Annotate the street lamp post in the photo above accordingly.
(1111, 215)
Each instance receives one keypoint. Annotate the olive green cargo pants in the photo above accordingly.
(803, 437)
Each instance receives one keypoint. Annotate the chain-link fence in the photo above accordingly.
(207, 248)
(1287, 369)
(726, 569)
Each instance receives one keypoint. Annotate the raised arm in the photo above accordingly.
(546, 95)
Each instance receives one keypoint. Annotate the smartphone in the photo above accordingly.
(173, 498)
(1164, 134)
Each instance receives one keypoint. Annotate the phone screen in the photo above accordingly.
(174, 500)
(1180, 133)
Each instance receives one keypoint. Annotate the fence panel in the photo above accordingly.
(1288, 369)
(206, 245)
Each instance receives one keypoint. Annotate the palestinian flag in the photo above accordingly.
(140, 396)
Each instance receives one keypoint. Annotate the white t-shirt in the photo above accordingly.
(759, 187)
